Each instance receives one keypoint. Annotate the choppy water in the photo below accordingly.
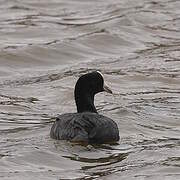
(46, 45)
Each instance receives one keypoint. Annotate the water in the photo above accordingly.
(46, 45)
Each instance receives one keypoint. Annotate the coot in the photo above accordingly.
(86, 125)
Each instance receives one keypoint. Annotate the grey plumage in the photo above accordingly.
(85, 127)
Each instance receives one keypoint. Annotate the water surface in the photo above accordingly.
(46, 45)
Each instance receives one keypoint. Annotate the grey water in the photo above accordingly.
(46, 45)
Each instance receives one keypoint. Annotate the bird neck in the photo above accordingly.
(85, 102)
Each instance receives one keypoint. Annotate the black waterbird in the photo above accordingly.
(86, 125)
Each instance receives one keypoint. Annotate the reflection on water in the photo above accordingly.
(45, 46)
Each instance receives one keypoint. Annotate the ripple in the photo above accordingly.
(45, 46)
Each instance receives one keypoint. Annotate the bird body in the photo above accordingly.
(85, 127)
